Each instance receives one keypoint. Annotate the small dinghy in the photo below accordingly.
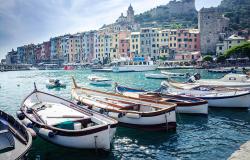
(156, 76)
(101, 81)
(15, 139)
(131, 112)
(185, 104)
(216, 96)
(175, 75)
(66, 124)
(55, 83)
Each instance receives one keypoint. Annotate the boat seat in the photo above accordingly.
(131, 107)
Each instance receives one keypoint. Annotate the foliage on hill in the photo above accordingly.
(238, 11)
(240, 51)
(167, 15)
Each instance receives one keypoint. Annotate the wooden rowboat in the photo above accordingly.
(15, 139)
(132, 112)
(185, 104)
(66, 124)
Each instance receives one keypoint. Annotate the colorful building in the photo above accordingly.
(135, 47)
(233, 40)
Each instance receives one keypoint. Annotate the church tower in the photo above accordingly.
(130, 14)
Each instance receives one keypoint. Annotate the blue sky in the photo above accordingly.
(32, 21)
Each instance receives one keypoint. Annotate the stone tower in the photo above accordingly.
(211, 25)
(130, 14)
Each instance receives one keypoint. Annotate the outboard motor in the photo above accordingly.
(194, 78)
(57, 82)
(197, 76)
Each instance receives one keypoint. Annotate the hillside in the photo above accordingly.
(238, 11)
(180, 13)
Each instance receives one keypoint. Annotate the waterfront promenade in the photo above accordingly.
(242, 154)
(16, 67)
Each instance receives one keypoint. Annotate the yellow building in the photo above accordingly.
(135, 44)
(114, 49)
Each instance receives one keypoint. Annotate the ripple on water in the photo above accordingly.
(197, 137)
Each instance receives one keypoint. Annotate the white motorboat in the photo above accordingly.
(185, 104)
(175, 75)
(131, 112)
(130, 66)
(216, 97)
(15, 138)
(55, 83)
(95, 80)
(156, 76)
(229, 80)
(66, 124)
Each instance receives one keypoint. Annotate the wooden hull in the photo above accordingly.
(145, 118)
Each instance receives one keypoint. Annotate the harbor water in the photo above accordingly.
(215, 136)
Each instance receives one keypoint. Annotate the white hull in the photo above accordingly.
(134, 68)
(215, 83)
(174, 75)
(100, 140)
(101, 83)
(197, 109)
(231, 99)
(234, 102)
(156, 76)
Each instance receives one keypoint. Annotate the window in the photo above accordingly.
(220, 48)
(239, 41)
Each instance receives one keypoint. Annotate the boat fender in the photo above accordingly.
(27, 123)
(115, 114)
(20, 115)
(133, 115)
(32, 132)
(29, 110)
(46, 132)
(100, 110)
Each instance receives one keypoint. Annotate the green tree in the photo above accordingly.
(239, 51)
(207, 58)
(221, 59)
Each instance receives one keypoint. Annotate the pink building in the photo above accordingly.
(124, 47)
(38, 53)
(45, 55)
(188, 40)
